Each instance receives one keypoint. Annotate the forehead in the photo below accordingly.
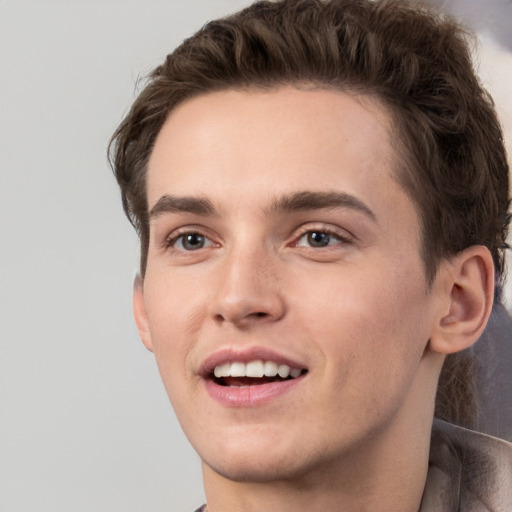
(232, 144)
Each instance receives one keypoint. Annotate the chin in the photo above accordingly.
(259, 471)
(268, 462)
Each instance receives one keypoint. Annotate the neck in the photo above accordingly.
(387, 478)
(387, 472)
(366, 487)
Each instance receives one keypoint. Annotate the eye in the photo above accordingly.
(317, 238)
(190, 242)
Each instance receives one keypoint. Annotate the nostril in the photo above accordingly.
(220, 318)
(243, 308)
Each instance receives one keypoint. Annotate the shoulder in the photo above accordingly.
(468, 471)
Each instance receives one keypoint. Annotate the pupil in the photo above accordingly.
(318, 239)
(193, 241)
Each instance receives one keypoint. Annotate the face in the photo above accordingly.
(285, 297)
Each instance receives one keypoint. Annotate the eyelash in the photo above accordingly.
(324, 231)
(174, 238)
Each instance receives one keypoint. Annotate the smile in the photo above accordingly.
(248, 380)
(253, 372)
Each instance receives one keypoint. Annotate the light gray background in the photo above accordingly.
(84, 421)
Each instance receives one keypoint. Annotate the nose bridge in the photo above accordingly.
(249, 285)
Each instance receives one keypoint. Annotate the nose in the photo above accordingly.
(249, 291)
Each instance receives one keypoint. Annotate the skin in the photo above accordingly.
(353, 434)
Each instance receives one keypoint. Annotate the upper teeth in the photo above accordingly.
(255, 369)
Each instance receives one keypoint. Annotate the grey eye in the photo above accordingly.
(318, 238)
(191, 242)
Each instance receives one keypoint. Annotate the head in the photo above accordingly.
(415, 65)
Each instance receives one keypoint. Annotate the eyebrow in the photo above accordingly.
(299, 201)
(302, 201)
(173, 204)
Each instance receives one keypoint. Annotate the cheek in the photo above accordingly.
(175, 309)
(173, 327)
(371, 322)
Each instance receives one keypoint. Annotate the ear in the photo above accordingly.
(468, 288)
(139, 312)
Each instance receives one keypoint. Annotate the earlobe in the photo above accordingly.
(469, 289)
(140, 314)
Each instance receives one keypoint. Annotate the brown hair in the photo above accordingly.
(416, 62)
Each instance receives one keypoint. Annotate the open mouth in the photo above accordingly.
(253, 373)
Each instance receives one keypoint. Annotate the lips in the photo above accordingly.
(249, 378)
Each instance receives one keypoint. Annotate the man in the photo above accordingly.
(321, 195)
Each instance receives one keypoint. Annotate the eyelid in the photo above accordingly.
(170, 240)
(342, 234)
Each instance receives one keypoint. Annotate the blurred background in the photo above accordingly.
(84, 421)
